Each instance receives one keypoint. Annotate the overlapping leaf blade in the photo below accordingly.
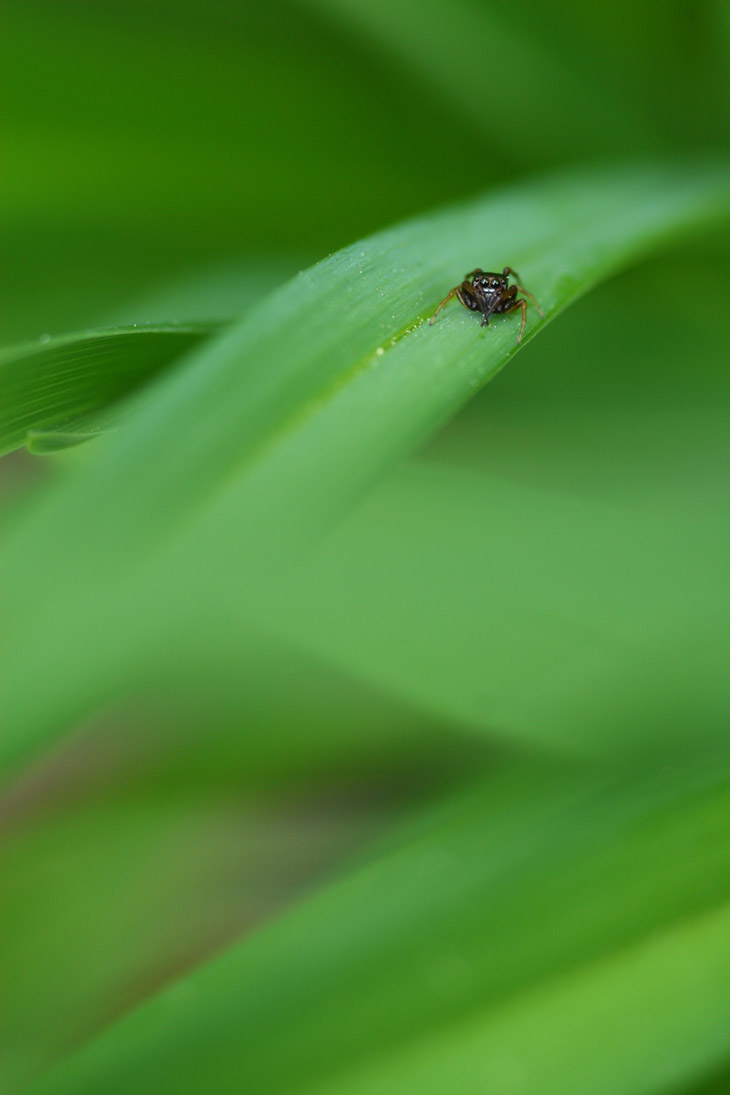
(292, 414)
(534, 905)
(66, 388)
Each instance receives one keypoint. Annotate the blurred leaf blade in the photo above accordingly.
(489, 67)
(293, 413)
(533, 894)
(512, 611)
(575, 1036)
(159, 881)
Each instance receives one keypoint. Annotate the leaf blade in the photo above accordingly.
(70, 384)
(516, 901)
(291, 415)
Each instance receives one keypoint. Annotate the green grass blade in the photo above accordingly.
(526, 614)
(643, 1021)
(531, 907)
(292, 414)
(148, 874)
(45, 442)
(68, 386)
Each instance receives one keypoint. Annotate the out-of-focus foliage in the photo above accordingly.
(422, 759)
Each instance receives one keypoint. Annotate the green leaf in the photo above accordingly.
(289, 416)
(148, 875)
(59, 391)
(43, 442)
(534, 907)
(526, 614)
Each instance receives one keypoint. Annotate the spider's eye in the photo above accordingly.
(495, 283)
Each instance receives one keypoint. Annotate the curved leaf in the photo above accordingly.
(58, 391)
(286, 418)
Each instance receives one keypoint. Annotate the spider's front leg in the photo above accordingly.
(537, 306)
(509, 272)
(451, 293)
(464, 294)
(523, 305)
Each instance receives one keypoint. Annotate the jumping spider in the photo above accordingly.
(486, 292)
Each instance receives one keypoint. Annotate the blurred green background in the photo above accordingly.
(549, 570)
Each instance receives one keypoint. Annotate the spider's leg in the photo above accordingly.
(523, 305)
(451, 293)
(521, 290)
(466, 296)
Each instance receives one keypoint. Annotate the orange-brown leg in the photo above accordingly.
(464, 295)
(451, 293)
(523, 305)
(521, 290)
(508, 271)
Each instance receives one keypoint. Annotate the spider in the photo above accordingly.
(486, 292)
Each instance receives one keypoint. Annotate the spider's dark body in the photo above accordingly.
(490, 294)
